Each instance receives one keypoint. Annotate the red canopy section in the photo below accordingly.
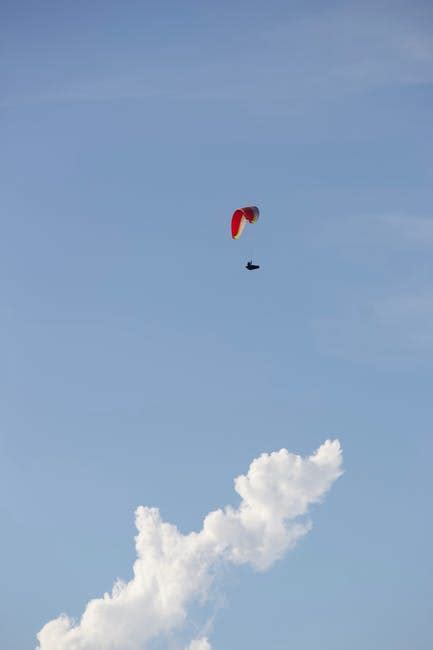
(240, 218)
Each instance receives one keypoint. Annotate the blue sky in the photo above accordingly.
(140, 363)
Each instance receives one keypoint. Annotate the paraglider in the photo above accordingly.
(240, 218)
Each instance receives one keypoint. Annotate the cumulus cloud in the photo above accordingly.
(200, 644)
(172, 569)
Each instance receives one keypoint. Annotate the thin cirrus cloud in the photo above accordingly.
(172, 570)
(390, 319)
(387, 232)
(307, 54)
(371, 330)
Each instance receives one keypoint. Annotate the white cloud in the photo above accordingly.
(300, 56)
(359, 46)
(173, 569)
(200, 644)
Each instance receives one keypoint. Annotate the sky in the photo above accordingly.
(142, 367)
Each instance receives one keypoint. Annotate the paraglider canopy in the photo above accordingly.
(240, 218)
